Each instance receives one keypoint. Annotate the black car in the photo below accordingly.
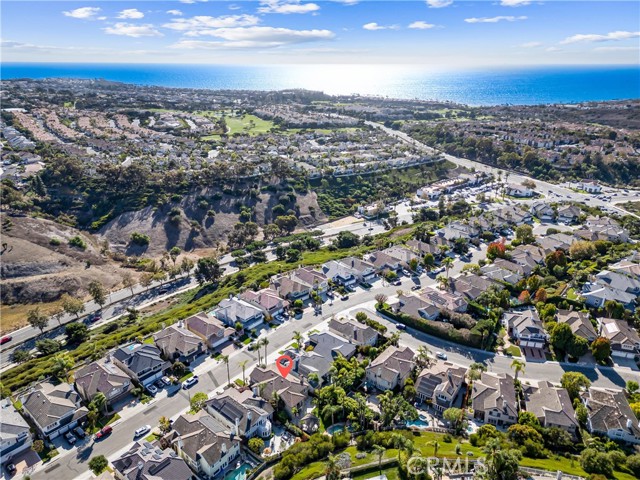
(11, 468)
(70, 438)
(401, 326)
(79, 432)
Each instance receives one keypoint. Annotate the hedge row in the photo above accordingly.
(443, 330)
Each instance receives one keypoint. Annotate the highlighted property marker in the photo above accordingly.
(284, 364)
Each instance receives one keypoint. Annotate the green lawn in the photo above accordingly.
(248, 124)
(186, 376)
(571, 294)
(513, 350)
(391, 473)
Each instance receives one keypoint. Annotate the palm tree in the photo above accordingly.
(265, 342)
(447, 262)
(436, 446)
(62, 365)
(422, 358)
(225, 359)
(331, 470)
(402, 443)
(297, 337)
(518, 367)
(379, 452)
(242, 364)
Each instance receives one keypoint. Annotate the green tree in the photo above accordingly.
(256, 445)
(48, 346)
(346, 239)
(174, 253)
(99, 402)
(128, 282)
(243, 365)
(578, 346)
(37, 319)
(456, 418)
(331, 468)
(632, 387)
(596, 462)
(501, 464)
(76, 332)
(98, 293)
(225, 359)
(601, 349)
(197, 401)
(208, 270)
(164, 424)
(574, 382)
(20, 356)
(286, 223)
(98, 464)
(62, 365)
(179, 369)
(37, 446)
(561, 337)
(524, 233)
(379, 452)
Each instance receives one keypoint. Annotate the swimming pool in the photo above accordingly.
(417, 424)
(238, 473)
(338, 427)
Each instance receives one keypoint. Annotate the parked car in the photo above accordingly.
(141, 431)
(104, 432)
(415, 287)
(190, 382)
(397, 283)
(344, 297)
(167, 381)
(5, 339)
(366, 285)
(279, 318)
(330, 294)
(441, 356)
(11, 468)
(79, 432)
(163, 291)
(152, 389)
(70, 438)
(159, 384)
(401, 326)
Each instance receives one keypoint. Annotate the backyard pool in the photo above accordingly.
(239, 473)
(338, 427)
(417, 424)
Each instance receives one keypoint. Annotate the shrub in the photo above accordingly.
(256, 445)
(77, 242)
(140, 239)
(55, 242)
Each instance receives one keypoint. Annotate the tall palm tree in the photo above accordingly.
(436, 446)
(423, 358)
(331, 469)
(225, 359)
(447, 262)
(379, 452)
(297, 337)
(518, 367)
(265, 342)
(243, 364)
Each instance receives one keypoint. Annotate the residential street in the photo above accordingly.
(213, 374)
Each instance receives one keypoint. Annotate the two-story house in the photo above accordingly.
(292, 393)
(440, 383)
(245, 412)
(233, 311)
(391, 368)
(526, 327)
(299, 283)
(354, 331)
(579, 322)
(494, 400)
(179, 344)
(53, 409)
(143, 461)
(102, 376)
(210, 329)
(206, 444)
(625, 341)
(551, 406)
(15, 435)
(266, 299)
(326, 346)
(609, 414)
(141, 361)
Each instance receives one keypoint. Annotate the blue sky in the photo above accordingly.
(433, 32)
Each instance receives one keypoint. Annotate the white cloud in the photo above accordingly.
(256, 37)
(84, 13)
(616, 49)
(131, 13)
(501, 18)
(177, 13)
(420, 25)
(514, 3)
(132, 30)
(531, 45)
(233, 6)
(347, 2)
(593, 37)
(439, 3)
(374, 26)
(201, 25)
(553, 49)
(287, 6)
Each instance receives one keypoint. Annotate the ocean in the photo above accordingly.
(498, 86)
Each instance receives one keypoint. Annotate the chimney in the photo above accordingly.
(237, 426)
(255, 392)
(629, 424)
(179, 444)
